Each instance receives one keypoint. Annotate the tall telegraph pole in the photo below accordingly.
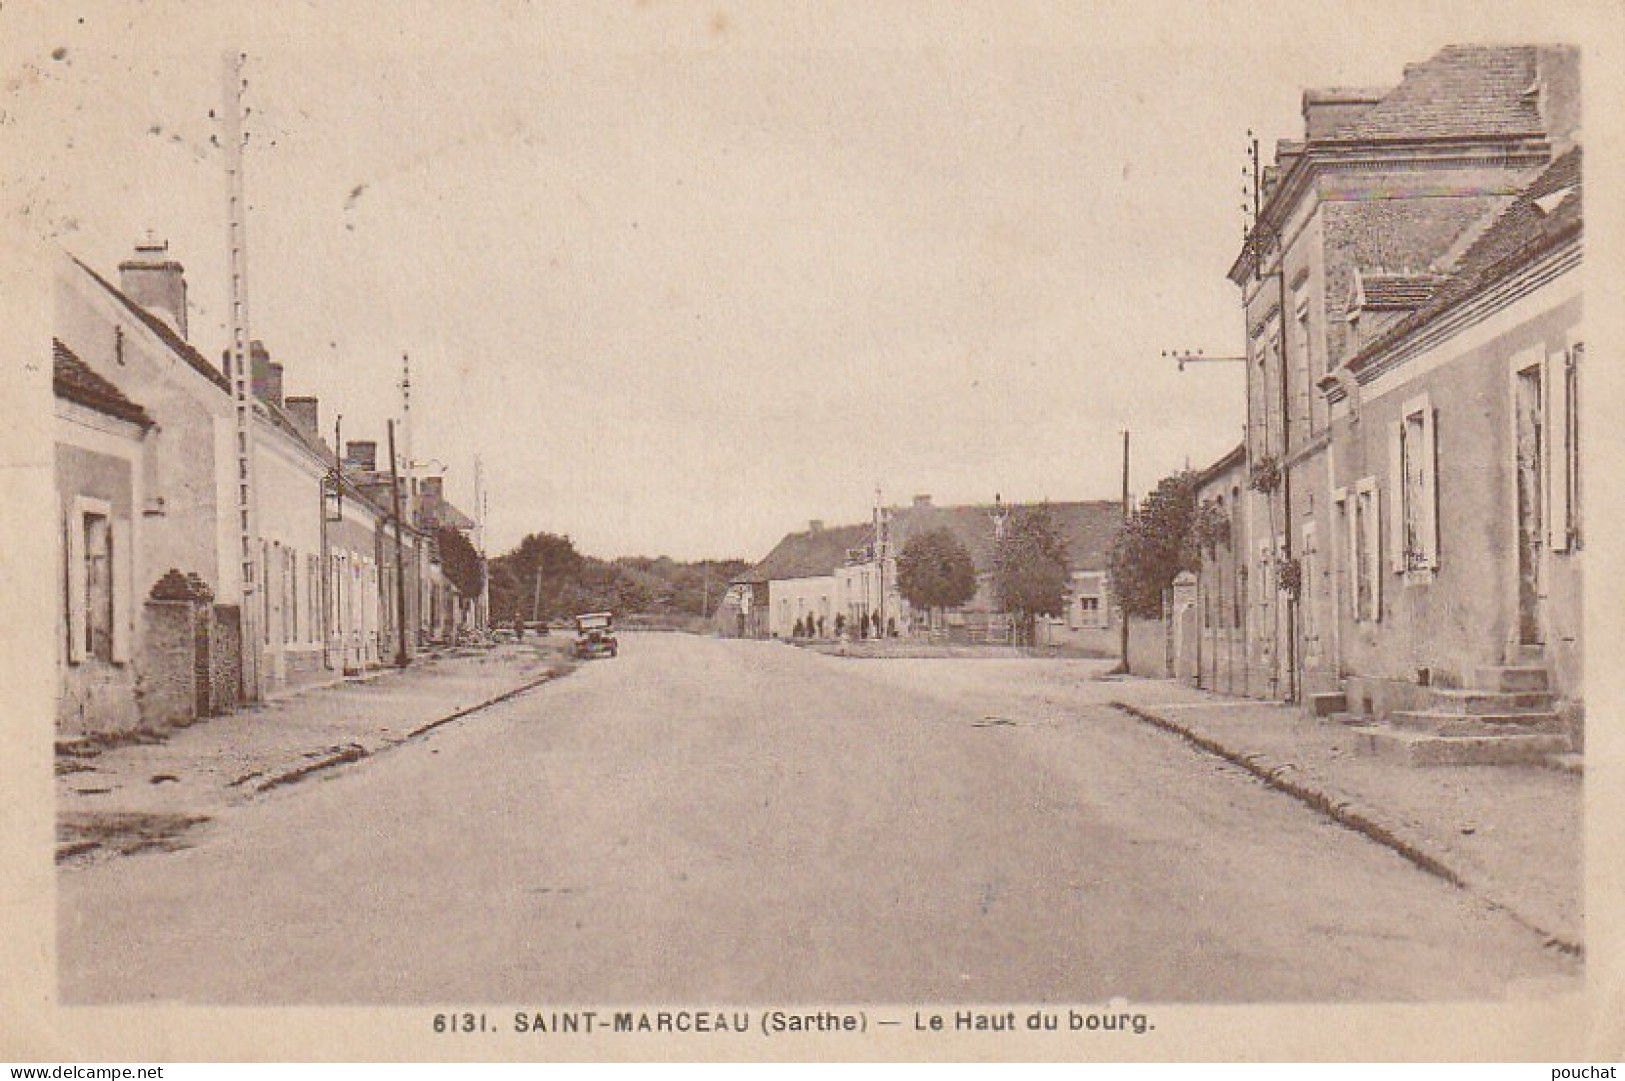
(401, 655)
(483, 613)
(1122, 604)
(408, 464)
(242, 377)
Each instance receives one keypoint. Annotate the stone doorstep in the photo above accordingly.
(1415, 748)
(1566, 762)
(1512, 678)
(1452, 700)
(1442, 722)
(1328, 704)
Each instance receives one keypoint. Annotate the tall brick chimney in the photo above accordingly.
(265, 375)
(156, 282)
(922, 500)
(304, 412)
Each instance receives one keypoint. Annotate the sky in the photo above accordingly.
(685, 276)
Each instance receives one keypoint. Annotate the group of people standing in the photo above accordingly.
(866, 625)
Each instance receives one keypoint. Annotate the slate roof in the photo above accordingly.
(1088, 529)
(72, 379)
(809, 554)
(164, 331)
(1544, 215)
(441, 513)
(1463, 90)
(277, 416)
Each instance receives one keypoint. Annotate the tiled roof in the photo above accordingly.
(1087, 528)
(276, 414)
(1463, 90)
(73, 380)
(437, 513)
(450, 516)
(1545, 214)
(164, 331)
(809, 554)
(1531, 218)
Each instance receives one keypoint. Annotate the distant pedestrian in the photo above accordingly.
(840, 624)
(820, 626)
(795, 632)
(891, 626)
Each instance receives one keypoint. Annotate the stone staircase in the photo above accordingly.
(1507, 717)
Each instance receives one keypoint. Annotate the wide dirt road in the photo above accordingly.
(713, 822)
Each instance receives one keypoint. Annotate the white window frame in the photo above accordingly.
(1089, 584)
(1414, 485)
(121, 576)
(1363, 511)
(1560, 455)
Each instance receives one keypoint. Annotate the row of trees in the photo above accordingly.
(1031, 569)
(546, 578)
(1164, 536)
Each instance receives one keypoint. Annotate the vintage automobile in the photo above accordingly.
(595, 635)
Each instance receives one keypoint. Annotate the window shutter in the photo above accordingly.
(121, 569)
(1376, 556)
(1396, 497)
(1555, 453)
(1576, 358)
(73, 525)
(1343, 499)
(1430, 487)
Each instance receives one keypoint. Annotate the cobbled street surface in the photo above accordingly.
(714, 822)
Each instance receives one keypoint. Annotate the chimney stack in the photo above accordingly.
(1329, 108)
(267, 373)
(157, 283)
(264, 375)
(361, 454)
(305, 414)
(815, 526)
(922, 501)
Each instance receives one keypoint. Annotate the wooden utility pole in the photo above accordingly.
(400, 553)
(1122, 603)
(483, 612)
(242, 377)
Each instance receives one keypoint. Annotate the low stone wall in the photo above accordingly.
(169, 684)
(1148, 648)
(225, 659)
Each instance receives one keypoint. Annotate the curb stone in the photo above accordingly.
(1345, 813)
(335, 756)
(354, 752)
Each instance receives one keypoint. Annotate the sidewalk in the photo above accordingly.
(141, 795)
(1509, 834)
